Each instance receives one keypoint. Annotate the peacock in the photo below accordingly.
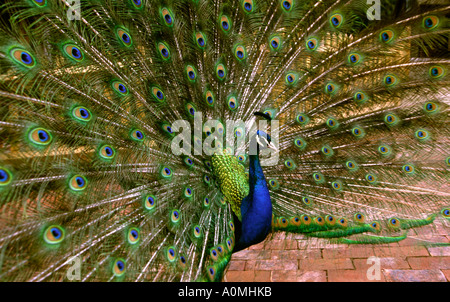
(146, 140)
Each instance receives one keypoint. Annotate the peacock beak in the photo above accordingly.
(272, 146)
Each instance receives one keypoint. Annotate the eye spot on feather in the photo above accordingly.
(318, 177)
(291, 79)
(430, 22)
(332, 123)
(422, 134)
(375, 225)
(167, 16)
(336, 20)
(275, 43)
(175, 216)
(191, 73)
(133, 236)
(408, 169)
(166, 172)
(150, 202)
(119, 267)
(390, 80)
(248, 6)
(40, 3)
(312, 44)
(431, 107)
(200, 39)
(240, 52)
(164, 51)
(436, 72)
(287, 5)
(124, 37)
(107, 152)
(360, 97)
(359, 217)
(371, 178)
(225, 24)
(306, 200)
(22, 57)
(351, 165)
(446, 212)
(337, 185)
(232, 103)
(78, 183)
(73, 52)
(387, 36)
(384, 149)
(221, 72)
(391, 119)
(137, 135)
(81, 114)
(120, 88)
(5, 177)
(54, 234)
(40, 137)
(137, 3)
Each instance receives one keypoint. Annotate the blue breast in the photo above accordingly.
(256, 209)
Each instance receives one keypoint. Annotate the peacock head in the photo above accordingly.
(264, 141)
(261, 139)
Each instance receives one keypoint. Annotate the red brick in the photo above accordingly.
(401, 251)
(262, 276)
(275, 244)
(236, 265)
(352, 276)
(350, 252)
(326, 264)
(446, 273)
(414, 275)
(291, 244)
(299, 276)
(251, 255)
(296, 254)
(439, 251)
(429, 262)
(270, 265)
(385, 263)
(238, 276)
(258, 246)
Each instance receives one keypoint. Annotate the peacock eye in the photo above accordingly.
(54, 234)
(248, 6)
(124, 37)
(133, 236)
(240, 52)
(275, 43)
(137, 3)
(287, 5)
(386, 36)
(430, 22)
(137, 135)
(40, 137)
(200, 39)
(164, 50)
(119, 267)
(167, 16)
(73, 52)
(191, 73)
(225, 23)
(23, 57)
(336, 20)
(107, 152)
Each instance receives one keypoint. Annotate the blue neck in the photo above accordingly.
(256, 208)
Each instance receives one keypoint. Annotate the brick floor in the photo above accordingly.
(294, 258)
